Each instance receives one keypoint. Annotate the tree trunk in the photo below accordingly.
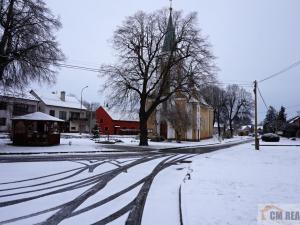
(219, 127)
(231, 129)
(143, 130)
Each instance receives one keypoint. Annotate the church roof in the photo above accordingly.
(170, 34)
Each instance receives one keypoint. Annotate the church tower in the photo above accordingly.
(168, 50)
(169, 40)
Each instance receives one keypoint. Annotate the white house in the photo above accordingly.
(15, 103)
(62, 106)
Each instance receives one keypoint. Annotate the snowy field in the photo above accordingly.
(227, 185)
(222, 187)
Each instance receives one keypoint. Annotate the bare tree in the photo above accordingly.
(28, 49)
(237, 100)
(179, 118)
(157, 57)
(216, 97)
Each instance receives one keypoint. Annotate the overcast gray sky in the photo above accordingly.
(251, 40)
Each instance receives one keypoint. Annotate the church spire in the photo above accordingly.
(170, 34)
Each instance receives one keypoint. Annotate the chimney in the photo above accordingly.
(63, 95)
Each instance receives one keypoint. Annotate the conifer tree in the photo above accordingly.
(270, 121)
(281, 118)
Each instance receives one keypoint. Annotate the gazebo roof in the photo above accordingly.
(38, 116)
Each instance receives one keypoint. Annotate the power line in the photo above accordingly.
(262, 98)
(90, 69)
(281, 71)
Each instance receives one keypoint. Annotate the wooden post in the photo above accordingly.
(255, 126)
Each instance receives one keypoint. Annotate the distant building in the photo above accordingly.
(15, 104)
(64, 107)
(294, 125)
(114, 122)
(246, 129)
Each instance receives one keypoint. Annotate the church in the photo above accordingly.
(182, 117)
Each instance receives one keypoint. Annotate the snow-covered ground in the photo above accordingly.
(66, 145)
(83, 143)
(173, 144)
(227, 186)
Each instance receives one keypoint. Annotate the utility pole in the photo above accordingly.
(255, 125)
(81, 111)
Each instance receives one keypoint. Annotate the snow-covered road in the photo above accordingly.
(80, 192)
(225, 187)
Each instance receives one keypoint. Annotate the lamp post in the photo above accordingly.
(80, 120)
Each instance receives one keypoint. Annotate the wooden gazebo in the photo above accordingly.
(35, 129)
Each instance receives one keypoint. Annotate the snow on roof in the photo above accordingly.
(38, 116)
(116, 114)
(17, 94)
(246, 126)
(53, 99)
(293, 119)
(203, 102)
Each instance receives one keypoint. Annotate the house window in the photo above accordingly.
(20, 109)
(106, 128)
(73, 128)
(2, 121)
(62, 115)
(75, 115)
(101, 120)
(52, 112)
(3, 105)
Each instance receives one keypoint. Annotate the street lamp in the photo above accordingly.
(80, 124)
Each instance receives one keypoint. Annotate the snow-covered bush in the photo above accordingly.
(270, 137)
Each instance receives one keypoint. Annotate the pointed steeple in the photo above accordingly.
(170, 35)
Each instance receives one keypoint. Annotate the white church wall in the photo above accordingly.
(189, 134)
(171, 132)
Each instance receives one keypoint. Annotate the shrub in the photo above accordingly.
(227, 135)
(95, 131)
(269, 137)
(157, 139)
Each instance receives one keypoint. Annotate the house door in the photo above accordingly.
(164, 129)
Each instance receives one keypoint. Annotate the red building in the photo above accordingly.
(116, 123)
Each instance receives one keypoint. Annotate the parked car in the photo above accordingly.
(270, 137)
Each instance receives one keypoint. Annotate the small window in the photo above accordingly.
(106, 128)
(52, 112)
(75, 115)
(101, 120)
(2, 121)
(62, 115)
(73, 128)
(3, 105)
